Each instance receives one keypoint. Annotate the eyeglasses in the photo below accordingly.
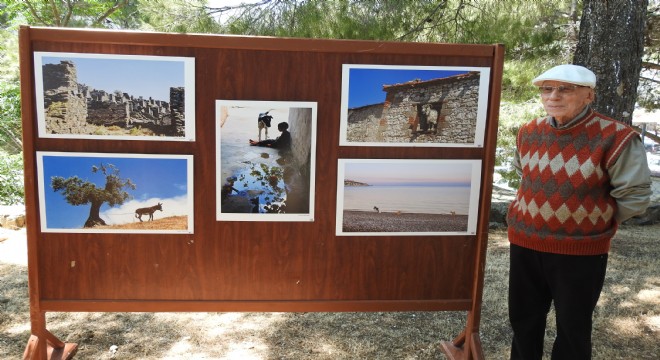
(562, 89)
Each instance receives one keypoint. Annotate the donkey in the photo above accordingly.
(148, 211)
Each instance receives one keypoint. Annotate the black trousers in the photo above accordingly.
(574, 283)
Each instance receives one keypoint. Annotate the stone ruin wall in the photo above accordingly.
(112, 109)
(70, 107)
(364, 123)
(456, 99)
(178, 111)
(65, 107)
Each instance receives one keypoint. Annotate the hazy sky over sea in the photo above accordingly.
(409, 173)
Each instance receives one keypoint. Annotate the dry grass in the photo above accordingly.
(167, 223)
(627, 321)
(115, 130)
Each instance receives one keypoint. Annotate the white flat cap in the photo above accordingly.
(568, 73)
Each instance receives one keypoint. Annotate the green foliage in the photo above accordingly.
(512, 117)
(8, 56)
(11, 178)
(80, 192)
(529, 29)
(517, 80)
(180, 16)
(73, 13)
(341, 19)
(537, 34)
(10, 118)
(648, 93)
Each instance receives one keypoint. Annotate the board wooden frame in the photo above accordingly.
(253, 266)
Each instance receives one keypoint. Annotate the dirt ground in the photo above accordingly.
(626, 326)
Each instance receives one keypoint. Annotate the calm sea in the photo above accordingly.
(413, 199)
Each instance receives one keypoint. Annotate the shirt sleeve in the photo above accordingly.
(516, 162)
(516, 155)
(630, 178)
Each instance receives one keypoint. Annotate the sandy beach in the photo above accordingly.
(370, 221)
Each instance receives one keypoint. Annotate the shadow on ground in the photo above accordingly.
(626, 324)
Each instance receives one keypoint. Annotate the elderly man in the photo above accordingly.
(582, 175)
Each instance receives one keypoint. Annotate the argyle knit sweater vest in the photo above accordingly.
(563, 204)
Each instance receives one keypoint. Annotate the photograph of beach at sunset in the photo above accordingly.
(407, 197)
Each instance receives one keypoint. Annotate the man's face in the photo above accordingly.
(565, 105)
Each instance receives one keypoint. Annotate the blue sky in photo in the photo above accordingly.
(154, 178)
(366, 85)
(409, 173)
(146, 78)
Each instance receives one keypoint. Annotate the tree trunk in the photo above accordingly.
(611, 44)
(94, 218)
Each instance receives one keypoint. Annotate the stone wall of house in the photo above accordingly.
(442, 110)
(65, 107)
(300, 126)
(455, 99)
(297, 172)
(364, 124)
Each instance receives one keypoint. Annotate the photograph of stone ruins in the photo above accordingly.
(442, 110)
(76, 108)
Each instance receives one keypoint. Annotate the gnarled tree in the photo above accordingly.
(80, 192)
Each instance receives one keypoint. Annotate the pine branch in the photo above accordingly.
(650, 65)
(56, 13)
(110, 11)
(649, 79)
(34, 13)
(422, 24)
(69, 12)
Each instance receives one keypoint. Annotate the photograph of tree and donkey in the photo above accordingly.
(103, 193)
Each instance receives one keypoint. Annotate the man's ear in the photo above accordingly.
(592, 96)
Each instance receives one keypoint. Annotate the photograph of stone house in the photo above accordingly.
(115, 96)
(413, 106)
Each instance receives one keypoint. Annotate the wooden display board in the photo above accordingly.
(224, 257)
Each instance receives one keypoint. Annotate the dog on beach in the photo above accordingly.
(376, 209)
(263, 123)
